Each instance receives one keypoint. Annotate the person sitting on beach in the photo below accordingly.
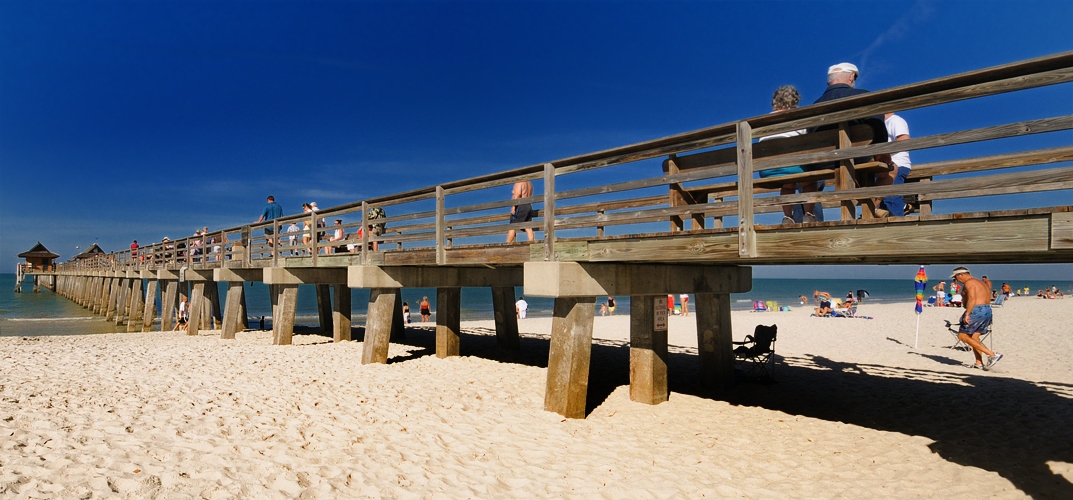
(824, 309)
(819, 296)
(804, 300)
(940, 294)
(786, 97)
(849, 299)
(1007, 291)
(977, 317)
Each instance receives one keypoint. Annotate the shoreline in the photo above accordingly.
(856, 412)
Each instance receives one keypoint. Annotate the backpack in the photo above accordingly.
(377, 213)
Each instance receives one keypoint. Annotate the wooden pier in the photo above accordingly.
(689, 227)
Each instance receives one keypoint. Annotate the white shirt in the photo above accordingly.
(522, 306)
(896, 126)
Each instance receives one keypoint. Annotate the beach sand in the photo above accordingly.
(856, 412)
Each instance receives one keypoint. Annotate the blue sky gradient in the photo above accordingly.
(122, 120)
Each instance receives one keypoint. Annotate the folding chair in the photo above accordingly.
(754, 358)
(961, 346)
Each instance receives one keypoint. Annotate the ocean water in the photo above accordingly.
(45, 313)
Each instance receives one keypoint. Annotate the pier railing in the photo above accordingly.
(689, 183)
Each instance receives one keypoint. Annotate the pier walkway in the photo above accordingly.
(679, 214)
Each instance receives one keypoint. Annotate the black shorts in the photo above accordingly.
(269, 230)
(522, 213)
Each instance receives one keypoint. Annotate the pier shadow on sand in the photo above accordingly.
(1009, 426)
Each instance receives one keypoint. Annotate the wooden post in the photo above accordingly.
(212, 292)
(378, 325)
(137, 306)
(113, 292)
(167, 307)
(844, 177)
(441, 251)
(600, 229)
(568, 358)
(714, 339)
(243, 316)
(283, 320)
(341, 319)
(648, 349)
(674, 193)
(746, 230)
(236, 292)
(549, 212)
(506, 317)
(122, 298)
(448, 321)
(149, 312)
(398, 327)
(925, 205)
(324, 307)
(364, 233)
(197, 307)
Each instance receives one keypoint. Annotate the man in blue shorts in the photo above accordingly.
(271, 212)
(977, 317)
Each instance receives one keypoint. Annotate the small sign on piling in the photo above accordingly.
(659, 315)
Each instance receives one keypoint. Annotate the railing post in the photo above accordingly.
(441, 252)
(247, 257)
(845, 178)
(273, 243)
(364, 233)
(746, 231)
(549, 212)
(599, 229)
(314, 239)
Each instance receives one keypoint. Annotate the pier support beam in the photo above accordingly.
(506, 317)
(568, 359)
(648, 349)
(378, 325)
(283, 313)
(137, 305)
(574, 283)
(341, 313)
(197, 307)
(169, 300)
(236, 295)
(448, 321)
(324, 307)
(714, 340)
(113, 292)
(149, 312)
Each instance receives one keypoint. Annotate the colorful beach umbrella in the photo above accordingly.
(921, 281)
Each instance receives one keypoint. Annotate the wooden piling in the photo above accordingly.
(378, 325)
(233, 309)
(197, 307)
(149, 312)
(714, 339)
(283, 320)
(324, 307)
(568, 359)
(136, 307)
(341, 313)
(448, 321)
(168, 304)
(648, 349)
(506, 317)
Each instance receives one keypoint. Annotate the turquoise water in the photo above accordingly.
(46, 313)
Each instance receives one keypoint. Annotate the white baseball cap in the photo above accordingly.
(844, 68)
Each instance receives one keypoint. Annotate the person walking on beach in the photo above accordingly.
(426, 310)
(521, 308)
(977, 317)
(940, 294)
(271, 212)
(522, 212)
(610, 305)
(684, 298)
(406, 312)
(183, 314)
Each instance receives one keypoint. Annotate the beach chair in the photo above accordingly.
(961, 346)
(759, 306)
(999, 300)
(754, 358)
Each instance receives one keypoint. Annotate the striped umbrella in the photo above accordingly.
(921, 281)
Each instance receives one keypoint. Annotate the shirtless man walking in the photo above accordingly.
(523, 212)
(977, 317)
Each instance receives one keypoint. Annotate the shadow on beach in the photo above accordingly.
(1005, 425)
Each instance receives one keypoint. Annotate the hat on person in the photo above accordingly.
(958, 270)
(843, 68)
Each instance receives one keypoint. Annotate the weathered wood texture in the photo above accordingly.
(341, 313)
(197, 307)
(714, 339)
(284, 311)
(568, 358)
(168, 302)
(378, 325)
(1062, 231)
(506, 319)
(137, 306)
(149, 312)
(448, 321)
(232, 310)
(648, 350)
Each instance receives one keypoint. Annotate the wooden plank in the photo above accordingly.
(746, 231)
(568, 358)
(702, 248)
(981, 163)
(1062, 231)
(448, 321)
(570, 251)
(845, 174)
(932, 141)
(549, 212)
(441, 257)
(648, 350)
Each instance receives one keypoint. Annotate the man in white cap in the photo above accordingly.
(977, 317)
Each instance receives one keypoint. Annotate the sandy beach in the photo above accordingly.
(856, 412)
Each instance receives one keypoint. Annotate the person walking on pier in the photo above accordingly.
(271, 212)
(977, 317)
(897, 130)
(522, 212)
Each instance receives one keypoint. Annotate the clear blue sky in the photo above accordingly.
(123, 120)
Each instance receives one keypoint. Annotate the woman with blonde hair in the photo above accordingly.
(787, 97)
